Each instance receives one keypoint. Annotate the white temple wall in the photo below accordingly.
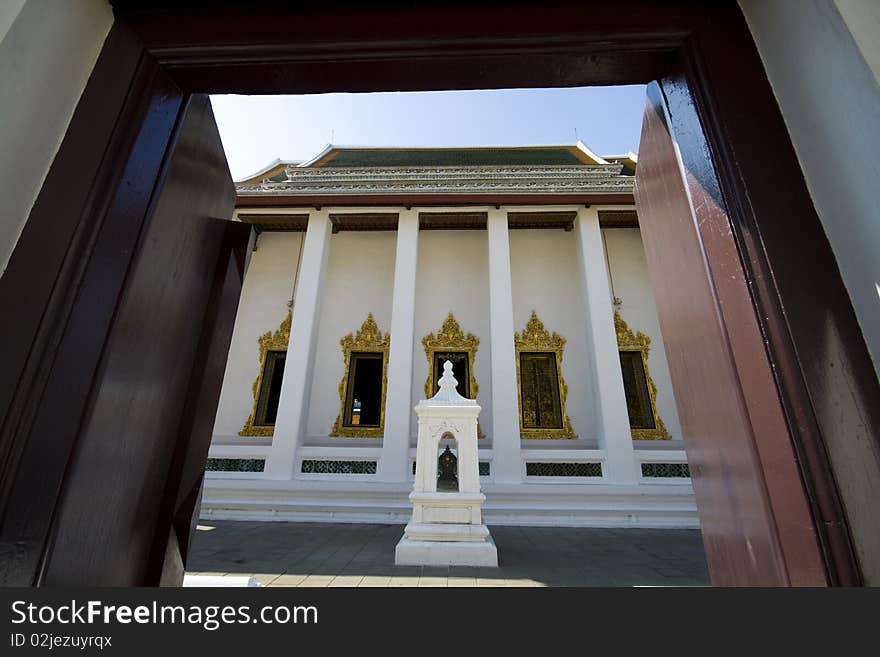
(360, 279)
(544, 273)
(453, 274)
(47, 53)
(632, 285)
(267, 288)
(825, 75)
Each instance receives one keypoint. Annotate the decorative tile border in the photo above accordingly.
(314, 466)
(235, 465)
(553, 469)
(673, 470)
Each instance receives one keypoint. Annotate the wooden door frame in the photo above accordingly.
(702, 52)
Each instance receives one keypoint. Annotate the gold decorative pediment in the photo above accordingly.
(629, 341)
(536, 338)
(450, 337)
(269, 341)
(368, 338)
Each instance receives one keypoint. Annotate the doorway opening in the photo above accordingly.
(560, 430)
(136, 210)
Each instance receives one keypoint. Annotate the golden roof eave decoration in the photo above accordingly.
(536, 338)
(368, 338)
(638, 341)
(269, 341)
(451, 337)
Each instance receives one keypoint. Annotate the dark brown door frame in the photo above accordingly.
(154, 58)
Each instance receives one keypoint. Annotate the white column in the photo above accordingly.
(613, 419)
(506, 460)
(394, 462)
(293, 405)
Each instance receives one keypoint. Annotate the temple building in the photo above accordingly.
(369, 268)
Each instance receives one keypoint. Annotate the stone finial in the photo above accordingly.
(448, 380)
(447, 395)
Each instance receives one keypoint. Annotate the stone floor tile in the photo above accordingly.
(458, 582)
(265, 578)
(370, 581)
(404, 581)
(521, 583)
(429, 581)
(484, 582)
(316, 554)
(349, 581)
(317, 581)
(289, 579)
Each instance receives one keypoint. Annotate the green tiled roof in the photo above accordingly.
(430, 157)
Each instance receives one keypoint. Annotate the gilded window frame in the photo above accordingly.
(536, 338)
(269, 341)
(627, 340)
(451, 337)
(370, 339)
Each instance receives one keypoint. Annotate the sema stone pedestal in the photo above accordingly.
(447, 526)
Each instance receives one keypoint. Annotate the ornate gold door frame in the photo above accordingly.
(535, 338)
(267, 342)
(367, 339)
(629, 341)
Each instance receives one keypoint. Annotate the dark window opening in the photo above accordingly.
(539, 391)
(270, 388)
(460, 370)
(363, 402)
(635, 384)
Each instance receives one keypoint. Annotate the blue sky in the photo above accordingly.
(258, 129)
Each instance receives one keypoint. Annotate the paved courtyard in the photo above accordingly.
(318, 554)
